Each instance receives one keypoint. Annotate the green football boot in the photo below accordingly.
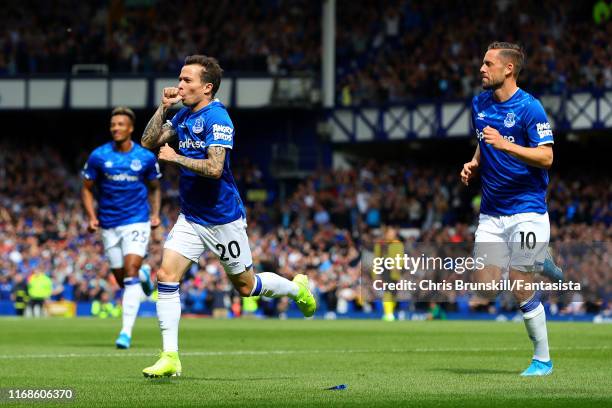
(304, 299)
(168, 365)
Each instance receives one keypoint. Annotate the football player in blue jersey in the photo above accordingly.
(513, 155)
(212, 216)
(125, 176)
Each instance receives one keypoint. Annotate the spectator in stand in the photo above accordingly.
(396, 53)
(42, 223)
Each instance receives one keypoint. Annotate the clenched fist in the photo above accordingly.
(167, 154)
(170, 96)
(492, 137)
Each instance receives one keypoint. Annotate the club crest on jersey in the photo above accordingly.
(510, 120)
(136, 165)
(198, 126)
(108, 164)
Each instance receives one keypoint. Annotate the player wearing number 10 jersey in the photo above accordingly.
(513, 155)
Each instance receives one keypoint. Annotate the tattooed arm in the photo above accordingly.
(157, 132)
(211, 167)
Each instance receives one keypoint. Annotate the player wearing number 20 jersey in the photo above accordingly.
(212, 217)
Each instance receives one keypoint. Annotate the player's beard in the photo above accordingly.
(492, 84)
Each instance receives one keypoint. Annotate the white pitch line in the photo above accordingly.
(281, 352)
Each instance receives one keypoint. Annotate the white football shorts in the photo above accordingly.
(516, 241)
(229, 242)
(125, 239)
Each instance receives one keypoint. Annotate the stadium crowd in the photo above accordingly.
(155, 37)
(323, 228)
(394, 52)
(411, 49)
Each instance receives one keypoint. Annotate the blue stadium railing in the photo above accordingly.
(570, 111)
(575, 111)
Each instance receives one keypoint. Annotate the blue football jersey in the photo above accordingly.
(120, 180)
(509, 185)
(207, 201)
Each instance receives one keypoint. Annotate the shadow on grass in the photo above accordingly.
(167, 380)
(475, 371)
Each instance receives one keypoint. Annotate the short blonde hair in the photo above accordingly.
(512, 52)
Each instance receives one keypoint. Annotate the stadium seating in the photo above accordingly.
(319, 229)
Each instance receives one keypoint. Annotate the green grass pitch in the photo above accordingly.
(290, 363)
